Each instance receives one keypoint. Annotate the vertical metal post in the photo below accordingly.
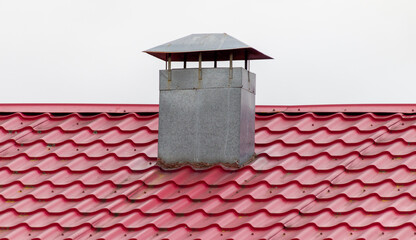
(200, 66)
(215, 59)
(184, 60)
(231, 66)
(169, 67)
(245, 59)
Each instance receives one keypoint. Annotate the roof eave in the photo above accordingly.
(212, 55)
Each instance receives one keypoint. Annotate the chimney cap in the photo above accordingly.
(213, 46)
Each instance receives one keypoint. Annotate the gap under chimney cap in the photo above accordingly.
(213, 46)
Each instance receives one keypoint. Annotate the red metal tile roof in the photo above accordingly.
(317, 176)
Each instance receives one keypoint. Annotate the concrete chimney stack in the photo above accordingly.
(206, 115)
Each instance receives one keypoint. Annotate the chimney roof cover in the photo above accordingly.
(214, 46)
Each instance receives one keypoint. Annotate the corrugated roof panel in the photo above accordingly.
(330, 176)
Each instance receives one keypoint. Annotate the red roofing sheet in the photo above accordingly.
(154, 108)
(317, 176)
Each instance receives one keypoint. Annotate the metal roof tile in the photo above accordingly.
(333, 176)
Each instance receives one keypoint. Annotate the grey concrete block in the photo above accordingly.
(206, 121)
(211, 78)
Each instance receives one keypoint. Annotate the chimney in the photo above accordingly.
(206, 115)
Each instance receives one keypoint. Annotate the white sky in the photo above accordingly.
(325, 51)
